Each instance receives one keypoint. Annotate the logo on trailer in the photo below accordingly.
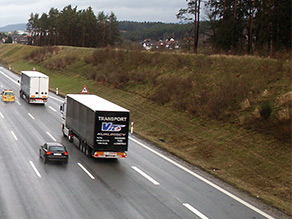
(110, 127)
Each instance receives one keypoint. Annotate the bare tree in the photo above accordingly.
(192, 13)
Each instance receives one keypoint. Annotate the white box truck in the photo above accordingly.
(97, 126)
(34, 87)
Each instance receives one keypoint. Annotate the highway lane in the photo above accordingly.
(142, 186)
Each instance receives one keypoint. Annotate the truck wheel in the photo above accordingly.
(85, 150)
(82, 147)
(63, 131)
(88, 151)
(70, 138)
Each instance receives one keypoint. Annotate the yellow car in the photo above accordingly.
(8, 96)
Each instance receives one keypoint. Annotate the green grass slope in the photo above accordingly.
(231, 116)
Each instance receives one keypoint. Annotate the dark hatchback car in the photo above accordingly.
(53, 151)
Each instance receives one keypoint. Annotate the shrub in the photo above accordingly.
(61, 63)
(265, 109)
(41, 54)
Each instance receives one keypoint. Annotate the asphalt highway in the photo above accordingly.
(147, 184)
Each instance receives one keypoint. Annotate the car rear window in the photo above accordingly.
(8, 93)
(57, 149)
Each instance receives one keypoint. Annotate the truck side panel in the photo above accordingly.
(25, 84)
(81, 120)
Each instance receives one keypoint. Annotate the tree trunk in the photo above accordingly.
(198, 26)
(250, 34)
(234, 27)
(195, 29)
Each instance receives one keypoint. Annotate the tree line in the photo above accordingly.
(243, 25)
(74, 27)
(139, 31)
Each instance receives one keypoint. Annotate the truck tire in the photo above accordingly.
(63, 131)
(83, 147)
(70, 138)
(88, 151)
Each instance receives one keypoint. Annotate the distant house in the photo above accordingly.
(161, 44)
(21, 37)
(147, 44)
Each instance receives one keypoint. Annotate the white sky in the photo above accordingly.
(18, 11)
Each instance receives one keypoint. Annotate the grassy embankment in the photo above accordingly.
(228, 115)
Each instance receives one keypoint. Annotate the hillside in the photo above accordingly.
(225, 114)
(12, 28)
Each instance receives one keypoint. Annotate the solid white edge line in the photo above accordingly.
(14, 135)
(35, 169)
(52, 109)
(86, 171)
(195, 211)
(2, 115)
(204, 180)
(51, 136)
(18, 103)
(9, 78)
(146, 176)
(31, 116)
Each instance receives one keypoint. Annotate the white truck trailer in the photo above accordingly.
(97, 126)
(34, 87)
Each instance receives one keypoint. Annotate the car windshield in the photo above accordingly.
(59, 149)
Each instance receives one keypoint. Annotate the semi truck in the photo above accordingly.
(34, 87)
(98, 127)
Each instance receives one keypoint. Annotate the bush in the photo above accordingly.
(41, 54)
(265, 109)
(61, 63)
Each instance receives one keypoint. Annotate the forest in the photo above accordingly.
(250, 25)
(260, 27)
(72, 27)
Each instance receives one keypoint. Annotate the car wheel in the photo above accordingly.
(66, 161)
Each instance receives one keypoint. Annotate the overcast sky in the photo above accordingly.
(18, 11)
